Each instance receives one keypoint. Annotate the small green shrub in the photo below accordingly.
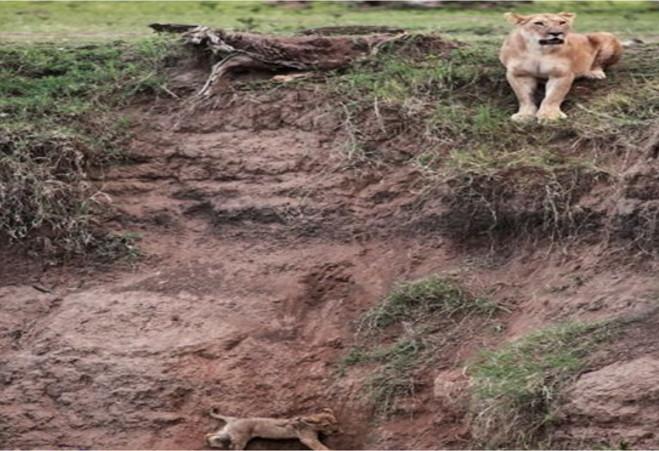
(420, 317)
(432, 295)
(516, 388)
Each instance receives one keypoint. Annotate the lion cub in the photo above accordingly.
(238, 431)
(542, 47)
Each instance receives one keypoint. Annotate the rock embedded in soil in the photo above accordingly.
(615, 405)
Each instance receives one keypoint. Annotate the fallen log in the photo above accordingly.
(240, 51)
(235, 51)
(351, 30)
(171, 27)
(315, 50)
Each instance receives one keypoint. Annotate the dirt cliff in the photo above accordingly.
(262, 247)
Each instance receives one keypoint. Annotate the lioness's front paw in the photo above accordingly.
(550, 116)
(597, 74)
(522, 117)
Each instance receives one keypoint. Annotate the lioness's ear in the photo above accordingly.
(515, 18)
(568, 16)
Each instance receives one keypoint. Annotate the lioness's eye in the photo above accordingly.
(562, 22)
(539, 23)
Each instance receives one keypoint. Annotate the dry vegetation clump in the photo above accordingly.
(522, 201)
(56, 104)
(636, 211)
(448, 114)
(44, 190)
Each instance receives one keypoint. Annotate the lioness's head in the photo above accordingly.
(545, 29)
(324, 422)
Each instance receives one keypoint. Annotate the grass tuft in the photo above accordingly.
(420, 318)
(396, 378)
(517, 388)
(433, 295)
(395, 374)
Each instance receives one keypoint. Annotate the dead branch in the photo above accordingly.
(171, 27)
(236, 51)
(315, 50)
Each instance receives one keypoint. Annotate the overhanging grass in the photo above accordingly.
(56, 105)
(523, 194)
(394, 376)
(516, 388)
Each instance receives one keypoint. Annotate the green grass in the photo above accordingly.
(394, 376)
(433, 295)
(56, 99)
(464, 100)
(61, 83)
(517, 388)
(504, 179)
(418, 318)
(57, 106)
(126, 20)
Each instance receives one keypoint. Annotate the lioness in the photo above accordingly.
(238, 431)
(542, 47)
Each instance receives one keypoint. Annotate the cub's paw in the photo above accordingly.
(597, 74)
(522, 117)
(550, 116)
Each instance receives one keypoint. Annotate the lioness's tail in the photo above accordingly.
(213, 413)
(609, 49)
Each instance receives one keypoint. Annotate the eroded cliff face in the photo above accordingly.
(263, 244)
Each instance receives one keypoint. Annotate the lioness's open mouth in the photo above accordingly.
(551, 41)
